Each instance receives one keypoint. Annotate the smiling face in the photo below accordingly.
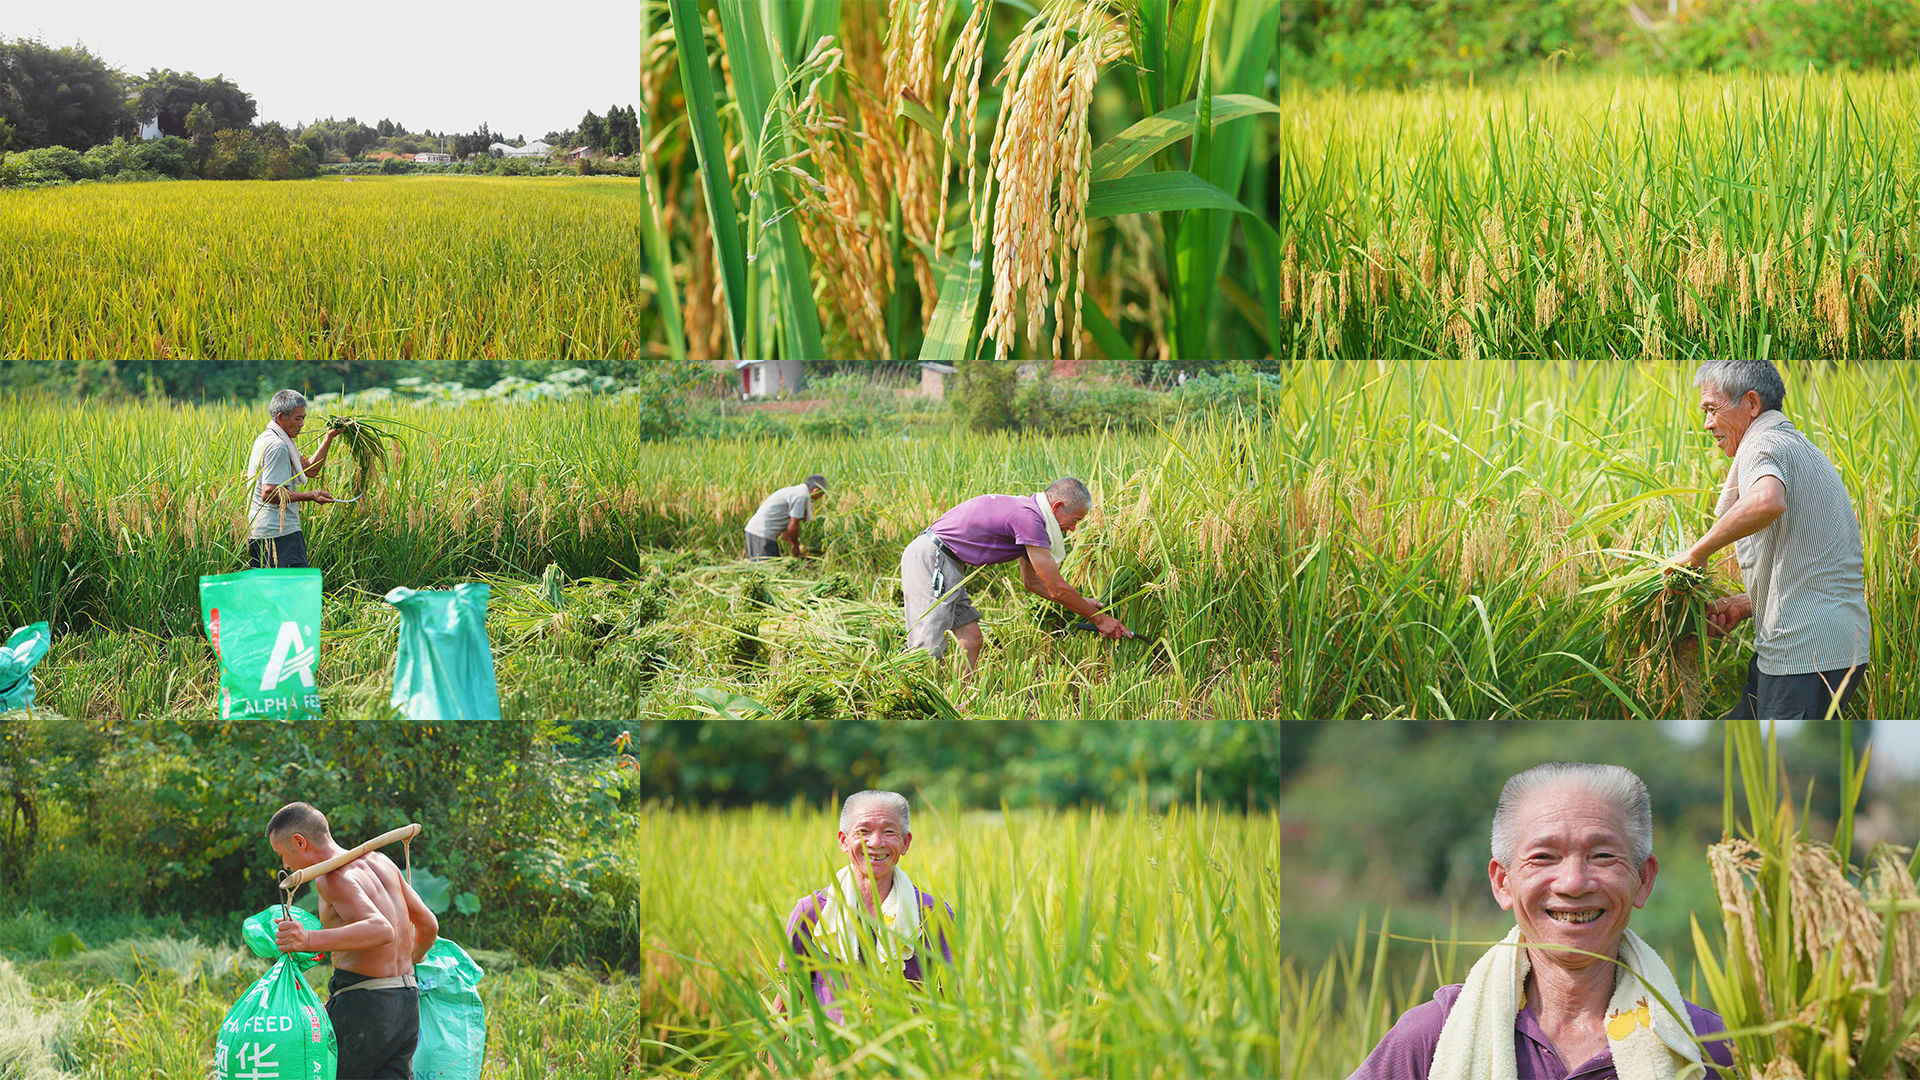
(874, 840)
(1573, 880)
(292, 422)
(1727, 419)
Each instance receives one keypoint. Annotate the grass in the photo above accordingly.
(470, 267)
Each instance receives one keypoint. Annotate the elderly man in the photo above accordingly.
(872, 909)
(276, 469)
(1572, 857)
(779, 518)
(984, 531)
(1792, 526)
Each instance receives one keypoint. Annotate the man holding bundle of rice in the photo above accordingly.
(276, 469)
(872, 908)
(984, 531)
(1792, 526)
(1571, 992)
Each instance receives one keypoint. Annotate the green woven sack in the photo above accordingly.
(278, 1029)
(443, 671)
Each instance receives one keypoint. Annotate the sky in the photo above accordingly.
(524, 67)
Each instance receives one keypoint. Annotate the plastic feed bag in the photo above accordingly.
(444, 669)
(278, 1029)
(453, 1021)
(265, 628)
(23, 650)
(260, 930)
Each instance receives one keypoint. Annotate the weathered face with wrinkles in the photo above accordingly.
(873, 841)
(1727, 419)
(1573, 880)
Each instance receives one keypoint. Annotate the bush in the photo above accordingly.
(166, 156)
(47, 165)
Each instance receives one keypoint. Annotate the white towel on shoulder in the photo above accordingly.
(840, 930)
(257, 460)
(1648, 1043)
(1056, 540)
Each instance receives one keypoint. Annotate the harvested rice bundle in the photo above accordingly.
(1659, 627)
(368, 443)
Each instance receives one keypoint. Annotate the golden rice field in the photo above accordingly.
(327, 269)
(1584, 216)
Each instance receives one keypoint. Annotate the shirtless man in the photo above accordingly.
(377, 928)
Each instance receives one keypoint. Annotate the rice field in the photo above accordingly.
(1580, 217)
(1385, 539)
(1090, 945)
(328, 269)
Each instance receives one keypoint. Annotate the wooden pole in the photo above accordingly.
(308, 873)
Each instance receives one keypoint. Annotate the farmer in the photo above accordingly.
(377, 929)
(872, 908)
(276, 467)
(1788, 517)
(983, 531)
(779, 518)
(1572, 857)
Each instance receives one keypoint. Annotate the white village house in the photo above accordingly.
(769, 378)
(434, 159)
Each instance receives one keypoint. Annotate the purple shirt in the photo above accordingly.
(989, 529)
(1407, 1051)
(800, 924)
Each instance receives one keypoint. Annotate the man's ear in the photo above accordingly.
(1497, 878)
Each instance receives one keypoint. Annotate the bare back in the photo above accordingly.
(370, 885)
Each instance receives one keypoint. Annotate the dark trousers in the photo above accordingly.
(283, 552)
(762, 547)
(1795, 697)
(376, 1030)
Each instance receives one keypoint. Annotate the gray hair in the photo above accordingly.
(892, 800)
(285, 402)
(1618, 786)
(817, 482)
(1071, 491)
(1733, 378)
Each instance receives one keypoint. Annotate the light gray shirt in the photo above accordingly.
(1805, 573)
(787, 504)
(270, 520)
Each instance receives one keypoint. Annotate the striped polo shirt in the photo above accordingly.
(1805, 571)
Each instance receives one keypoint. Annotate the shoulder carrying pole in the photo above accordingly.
(290, 883)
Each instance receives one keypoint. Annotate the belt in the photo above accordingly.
(388, 982)
(939, 580)
(942, 545)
